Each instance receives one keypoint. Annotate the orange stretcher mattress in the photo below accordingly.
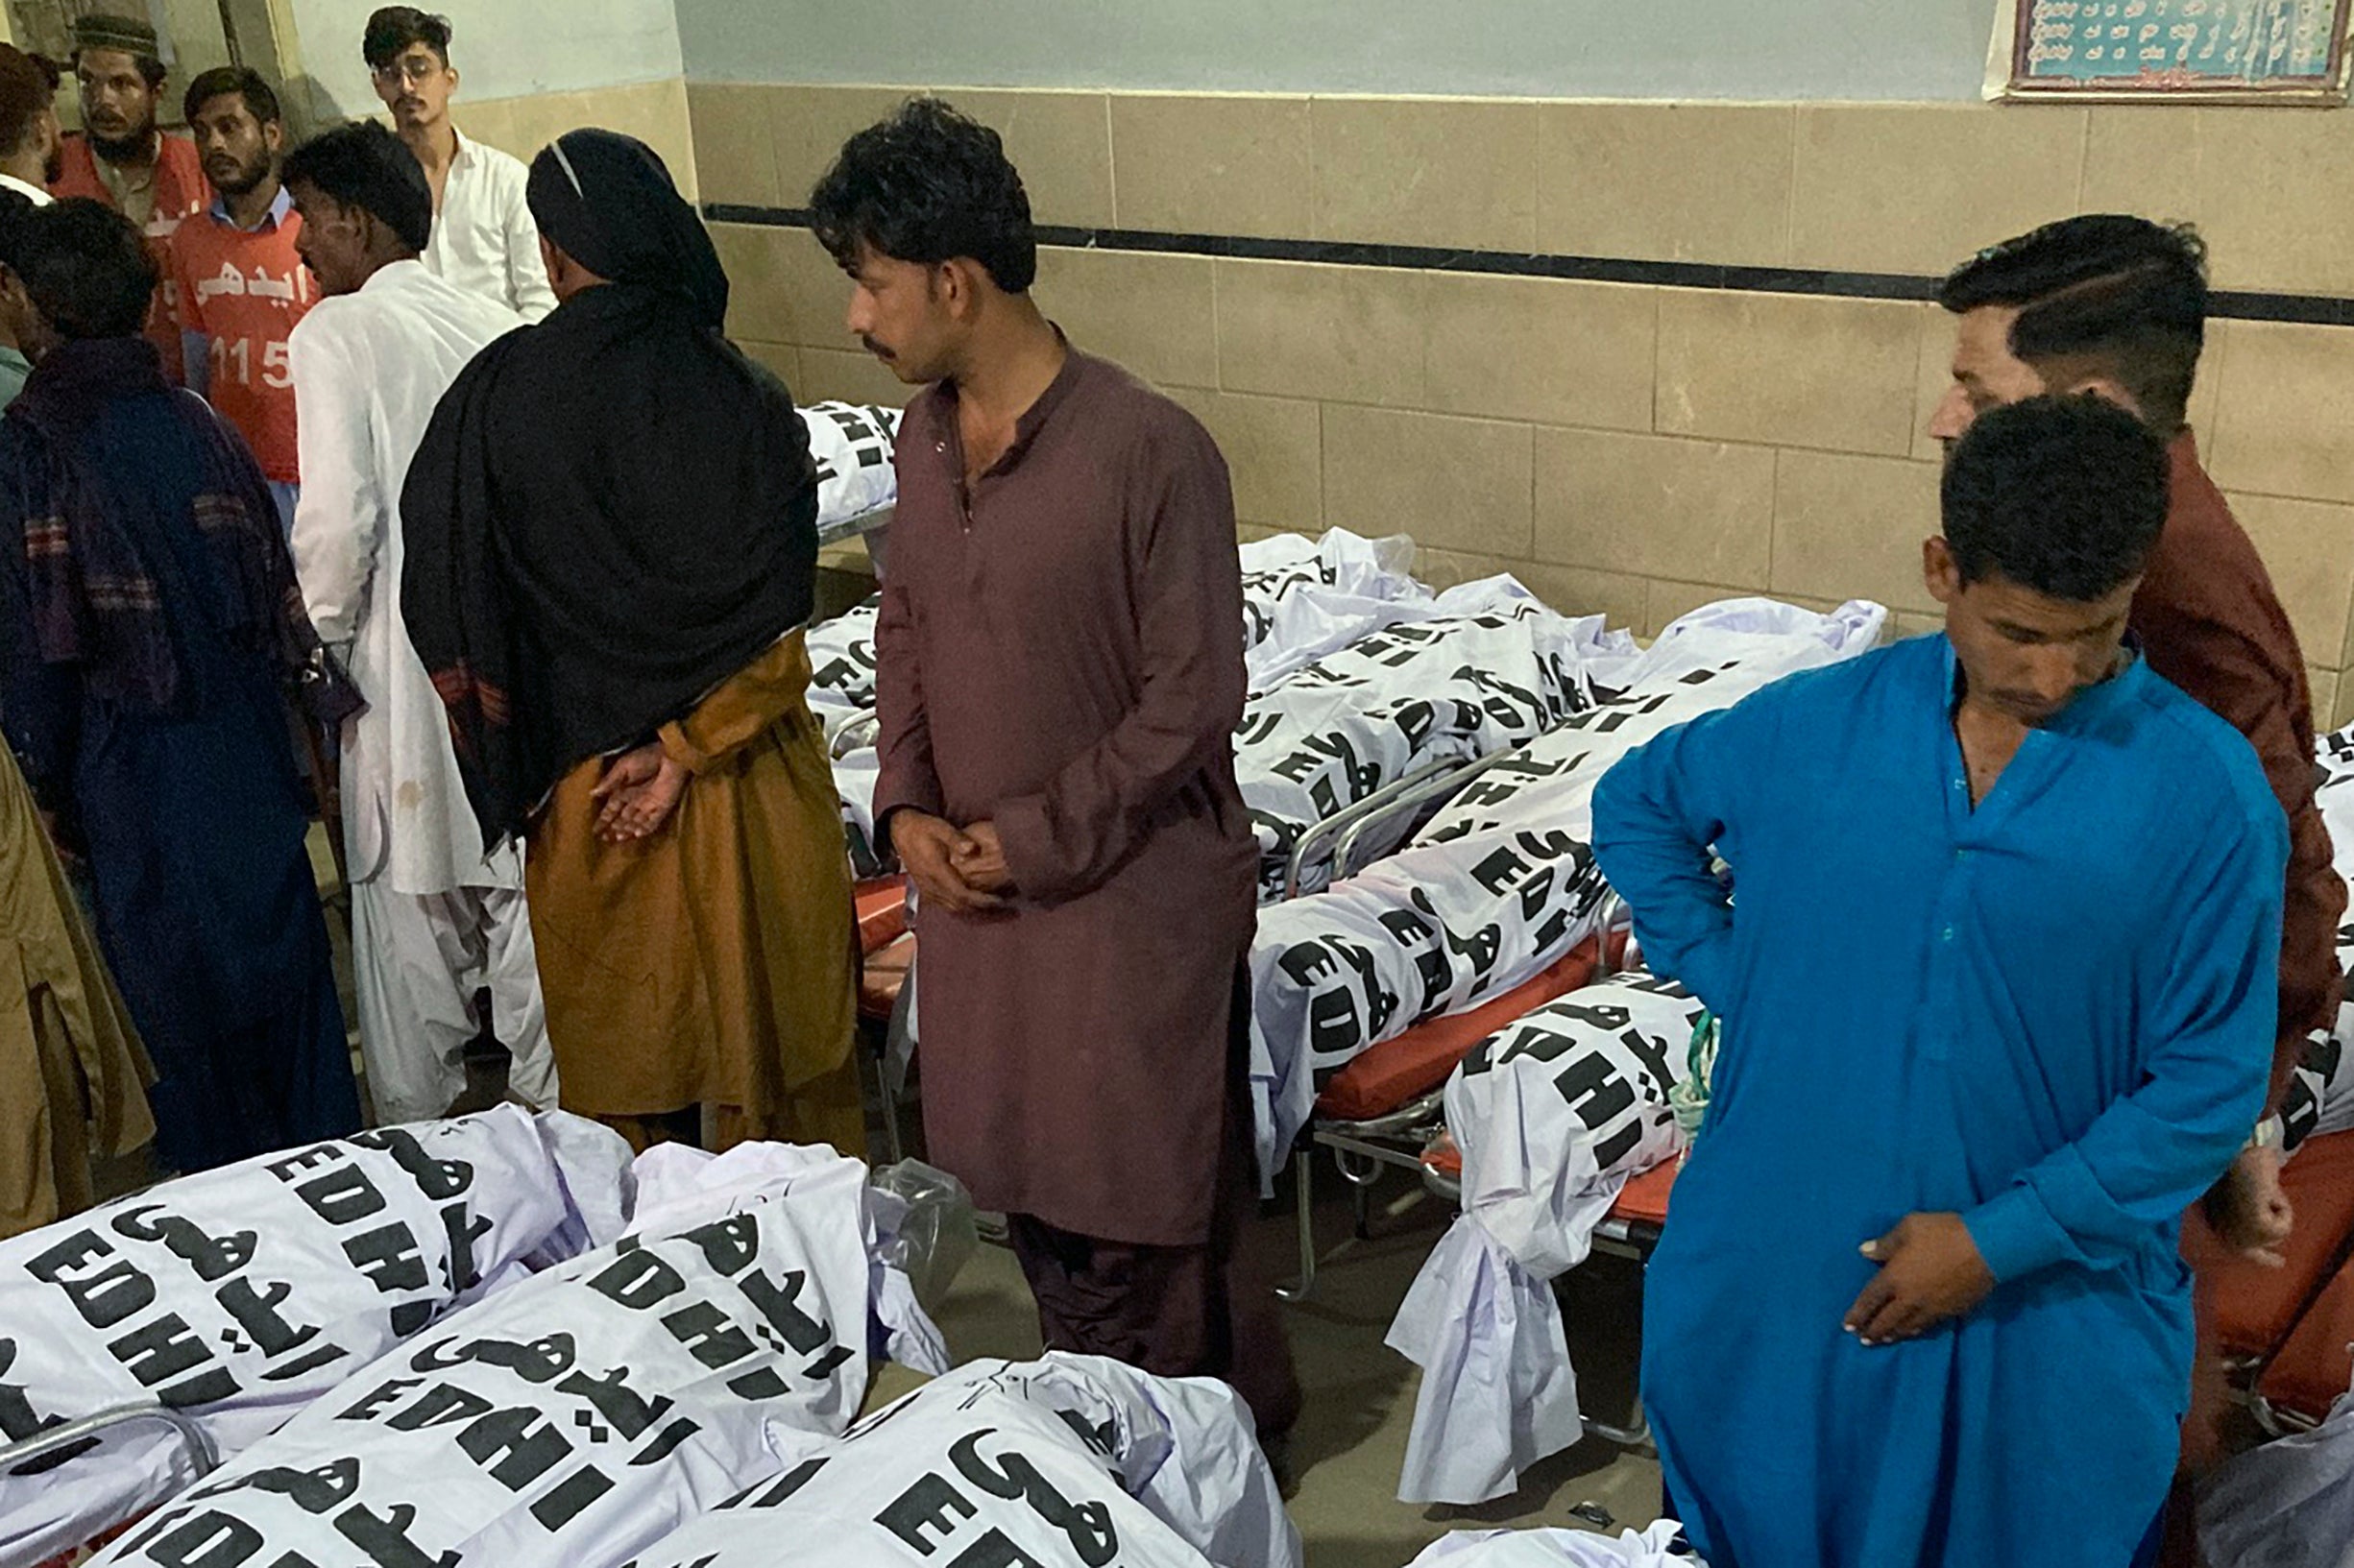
(1643, 1201)
(882, 976)
(2317, 1367)
(882, 904)
(1392, 1074)
(2255, 1307)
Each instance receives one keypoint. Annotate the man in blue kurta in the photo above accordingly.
(151, 634)
(1996, 965)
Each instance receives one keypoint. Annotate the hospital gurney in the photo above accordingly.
(1551, 1118)
(1383, 1109)
(1484, 667)
(1500, 883)
(1591, 1101)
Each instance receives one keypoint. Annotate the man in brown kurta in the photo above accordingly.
(1060, 674)
(2117, 307)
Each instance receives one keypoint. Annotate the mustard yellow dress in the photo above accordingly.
(73, 1077)
(713, 964)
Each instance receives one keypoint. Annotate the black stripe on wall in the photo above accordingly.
(2309, 309)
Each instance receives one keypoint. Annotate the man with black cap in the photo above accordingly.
(124, 159)
(434, 920)
(610, 545)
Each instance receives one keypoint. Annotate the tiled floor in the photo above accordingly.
(1352, 1435)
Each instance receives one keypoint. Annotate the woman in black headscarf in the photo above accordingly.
(611, 538)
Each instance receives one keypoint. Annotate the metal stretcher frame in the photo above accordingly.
(858, 526)
(880, 913)
(54, 1442)
(1362, 1149)
(866, 730)
(1418, 789)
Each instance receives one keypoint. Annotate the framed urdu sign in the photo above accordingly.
(2211, 51)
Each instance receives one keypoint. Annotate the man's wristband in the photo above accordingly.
(2269, 1133)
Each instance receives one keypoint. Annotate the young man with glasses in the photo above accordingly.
(484, 240)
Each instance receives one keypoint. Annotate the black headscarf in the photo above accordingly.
(608, 200)
(612, 512)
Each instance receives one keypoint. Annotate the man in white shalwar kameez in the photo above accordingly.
(434, 918)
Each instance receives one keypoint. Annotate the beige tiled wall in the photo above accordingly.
(655, 112)
(1636, 450)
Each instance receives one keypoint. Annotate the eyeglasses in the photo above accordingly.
(409, 72)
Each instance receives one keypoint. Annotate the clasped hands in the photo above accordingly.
(958, 869)
(638, 794)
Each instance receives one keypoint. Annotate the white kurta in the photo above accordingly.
(484, 239)
(434, 920)
(368, 370)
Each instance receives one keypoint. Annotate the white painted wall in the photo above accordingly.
(502, 48)
(1724, 49)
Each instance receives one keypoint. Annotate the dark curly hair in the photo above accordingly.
(2062, 495)
(2123, 296)
(241, 81)
(392, 30)
(928, 186)
(364, 167)
(87, 268)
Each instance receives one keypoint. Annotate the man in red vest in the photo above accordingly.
(123, 157)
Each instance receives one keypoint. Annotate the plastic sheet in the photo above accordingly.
(938, 1235)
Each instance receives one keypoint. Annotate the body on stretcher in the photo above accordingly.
(1381, 1108)
(1635, 1219)
(1500, 882)
(2285, 1332)
(1385, 1108)
(1632, 1230)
